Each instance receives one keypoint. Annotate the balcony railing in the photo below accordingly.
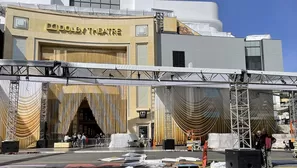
(83, 10)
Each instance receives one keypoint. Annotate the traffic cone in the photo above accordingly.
(204, 156)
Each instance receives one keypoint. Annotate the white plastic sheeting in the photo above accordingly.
(121, 140)
(220, 141)
(226, 141)
(218, 165)
(279, 140)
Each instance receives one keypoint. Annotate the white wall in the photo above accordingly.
(189, 12)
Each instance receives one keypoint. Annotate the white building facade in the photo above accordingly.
(202, 17)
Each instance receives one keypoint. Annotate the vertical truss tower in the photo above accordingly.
(240, 115)
(12, 110)
(168, 112)
(43, 109)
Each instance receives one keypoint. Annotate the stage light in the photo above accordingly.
(284, 82)
(172, 76)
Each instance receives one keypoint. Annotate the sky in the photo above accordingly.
(275, 17)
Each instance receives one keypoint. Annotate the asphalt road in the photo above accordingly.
(92, 158)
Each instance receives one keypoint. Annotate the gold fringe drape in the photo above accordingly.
(28, 116)
(207, 110)
(109, 109)
(108, 103)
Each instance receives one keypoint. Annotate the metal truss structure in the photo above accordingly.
(168, 112)
(160, 21)
(12, 110)
(293, 114)
(156, 76)
(43, 109)
(111, 74)
(240, 115)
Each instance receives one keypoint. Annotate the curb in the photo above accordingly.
(20, 153)
(55, 152)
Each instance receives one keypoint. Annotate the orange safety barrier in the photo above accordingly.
(204, 156)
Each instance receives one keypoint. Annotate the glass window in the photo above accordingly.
(104, 6)
(77, 4)
(85, 4)
(254, 63)
(141, 31)
(254, 51)
(94, 5)
(20, 23)
(252, 43)
(178, 59)
(105, 1)
(114, 7)
(115, 2)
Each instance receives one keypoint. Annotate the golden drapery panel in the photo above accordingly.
(28, 117)
(207, 110)
(108, 103)
(108, 109)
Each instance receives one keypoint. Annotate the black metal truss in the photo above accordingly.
(90, 73)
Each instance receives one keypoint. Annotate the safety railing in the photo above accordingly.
(84, 10)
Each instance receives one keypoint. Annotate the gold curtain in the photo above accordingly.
(108, 103)
(28, 116)
(207, 110)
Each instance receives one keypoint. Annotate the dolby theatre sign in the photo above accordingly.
(51, 27)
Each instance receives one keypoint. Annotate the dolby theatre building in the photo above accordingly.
(34, 34)
(40, 34)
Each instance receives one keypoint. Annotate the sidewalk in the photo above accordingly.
(96, 150)
(92, 149)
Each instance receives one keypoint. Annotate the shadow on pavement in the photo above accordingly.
(36, 157)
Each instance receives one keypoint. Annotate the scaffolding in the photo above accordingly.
(240, 115)
(239, 82)
(12, 110)
(43, 109)
(168, 112)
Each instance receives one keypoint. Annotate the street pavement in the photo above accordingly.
(92, 156)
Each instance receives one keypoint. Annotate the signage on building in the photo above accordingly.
(51, 27)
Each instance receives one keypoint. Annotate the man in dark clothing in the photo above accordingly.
(266, 142)
(257, 139)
